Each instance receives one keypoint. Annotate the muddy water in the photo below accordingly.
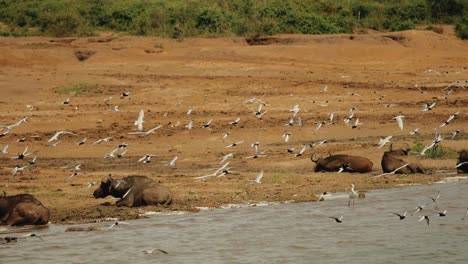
(279, 233)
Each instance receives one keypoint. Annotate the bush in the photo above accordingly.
(461, 28)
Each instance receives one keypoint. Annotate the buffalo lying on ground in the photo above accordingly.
(22, 209)
(396, 158)
(463, 158)
(134, 191)
(345, 163)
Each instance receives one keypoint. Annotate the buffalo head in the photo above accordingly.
(104, 189)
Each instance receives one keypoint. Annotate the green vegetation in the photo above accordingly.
(437, 152)
(183, 18)
(77, 88)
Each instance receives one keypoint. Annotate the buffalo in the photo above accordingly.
(340, 163)
(397, 158)
(22, 209)
(134, 191)
(462, 162)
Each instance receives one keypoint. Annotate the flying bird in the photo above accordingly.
(415, 131)
(392, 172)
(33, 235)
(466, 213)
(434, 199)
(338, 220)
(235, 122)
(172, 162)
(449, 119)
(356, 123)
(82, 141)
(295, 110)
(16, 169)
(58, 133)
(461, 164)
(383, 141)
(99, 141)
(399, 120)
(227, 156)
(425, 217)
(147, 251)
(258, 180)
(234, 144)
(286, 136)
(4, 151)
(23, 154)
(455, 133)
(145, 133)
(300, 152)
(207, 124)
(139, 122)
(401, 216)
(442, 214)
(428, 106)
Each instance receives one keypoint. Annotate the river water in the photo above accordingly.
(277, 233)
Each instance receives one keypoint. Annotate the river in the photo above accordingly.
(273, 233)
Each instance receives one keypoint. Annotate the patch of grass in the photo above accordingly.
(77, 88)
(437, 152)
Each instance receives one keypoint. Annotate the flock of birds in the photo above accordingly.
(353, 194)
(295, 120)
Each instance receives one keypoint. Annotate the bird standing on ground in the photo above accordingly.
(352, 195)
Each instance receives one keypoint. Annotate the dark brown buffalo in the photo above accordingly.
(463, 157)
(139, 190)
(22, 209)
(347, 163)
(396, 158)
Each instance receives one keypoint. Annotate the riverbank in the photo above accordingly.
(381, 75)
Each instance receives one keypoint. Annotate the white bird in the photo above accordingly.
(226, 134)
(442, 214)
(90, 184)
(450, 118)
(21, 140)
(383, 141)
(147, 251)
(207, 124)
(146, 159)
(300, 152)
(114, 109)
(58, 133)
(332, 116)
(295, 110)
(67, 101)
(426, 148)
(322, 197)
(455, 133)
(299, 121)
(290, 122)
(139, 122)
(356, 123)
(99, 141)
(321, 142)
(428, 106)
(227, 156)
(425, 217)
(107, 99)
(117, 223)
(172, 162)
(33, 161)
(126, 193)
(319, 125)
(82, 141)
(466, 213)
(189, 125)
(399, 120)
(324, 89)
(54, 144)
(461, 164)
(22, 154)
(250, 101)
(189, 112)
(145, 133)
(434, 199)
(352, 195)
(392, 172)
(16, 169)
(286, 136)
(4, 151)
(224, 166)
(235, 122)
(73, 175)
(125, 94)
(111, 154)
(415, 131)
(258, 179)
(234, 144)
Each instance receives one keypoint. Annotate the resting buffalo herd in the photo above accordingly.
(133, 191)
